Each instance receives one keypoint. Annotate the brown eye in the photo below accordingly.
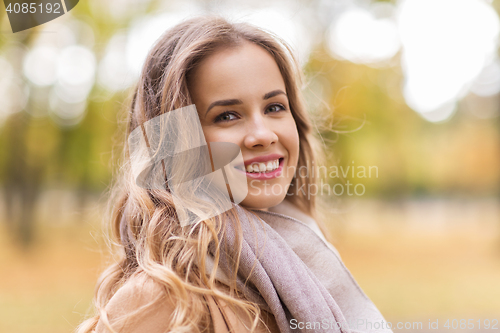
(226, 116)
(276, 108)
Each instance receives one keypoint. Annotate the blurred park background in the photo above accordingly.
(410, 88)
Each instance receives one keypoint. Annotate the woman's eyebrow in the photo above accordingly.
(226, 102)
(273, 93)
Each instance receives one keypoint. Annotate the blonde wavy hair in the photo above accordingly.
(156, 245)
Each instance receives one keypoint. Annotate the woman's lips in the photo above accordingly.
(265, 174)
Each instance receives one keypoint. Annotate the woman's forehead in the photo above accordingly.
(242, 70)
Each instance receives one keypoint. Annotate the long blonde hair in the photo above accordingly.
(155, 245)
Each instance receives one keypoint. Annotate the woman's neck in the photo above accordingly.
(264, 209)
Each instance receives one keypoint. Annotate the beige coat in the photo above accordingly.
(137, 292)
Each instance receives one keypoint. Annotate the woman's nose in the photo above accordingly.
(259, 134)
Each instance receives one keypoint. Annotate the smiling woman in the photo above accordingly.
(261, 265)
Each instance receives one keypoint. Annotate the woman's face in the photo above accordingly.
(241, 98)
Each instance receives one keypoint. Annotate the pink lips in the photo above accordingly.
(265, 175)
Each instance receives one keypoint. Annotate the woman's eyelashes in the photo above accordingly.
(227, 116)
(277, 105)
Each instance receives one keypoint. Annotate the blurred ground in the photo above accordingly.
(425, 260)
(410, 271)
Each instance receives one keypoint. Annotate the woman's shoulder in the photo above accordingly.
(139, 305)
(142, 305)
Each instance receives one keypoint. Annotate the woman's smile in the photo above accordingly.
(263, 167)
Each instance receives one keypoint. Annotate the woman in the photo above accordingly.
(261, 265)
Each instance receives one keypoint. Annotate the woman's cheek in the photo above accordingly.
(223, 135)
(291, 142)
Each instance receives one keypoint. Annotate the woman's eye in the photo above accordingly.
(226, 116)
(276, 108)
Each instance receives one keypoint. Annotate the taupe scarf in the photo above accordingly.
(296, 275)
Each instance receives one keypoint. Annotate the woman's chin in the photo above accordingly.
(261, 202)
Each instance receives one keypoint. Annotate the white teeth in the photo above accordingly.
(263, 167)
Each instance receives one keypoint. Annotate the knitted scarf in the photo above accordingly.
(292, 272)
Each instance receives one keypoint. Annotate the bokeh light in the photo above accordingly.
(113, 72)
(143, 34)
(13, 92)
(445, 44)
(286, 20)
(442, 56)
(365, 36)
(487, 83)
(40, 65)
